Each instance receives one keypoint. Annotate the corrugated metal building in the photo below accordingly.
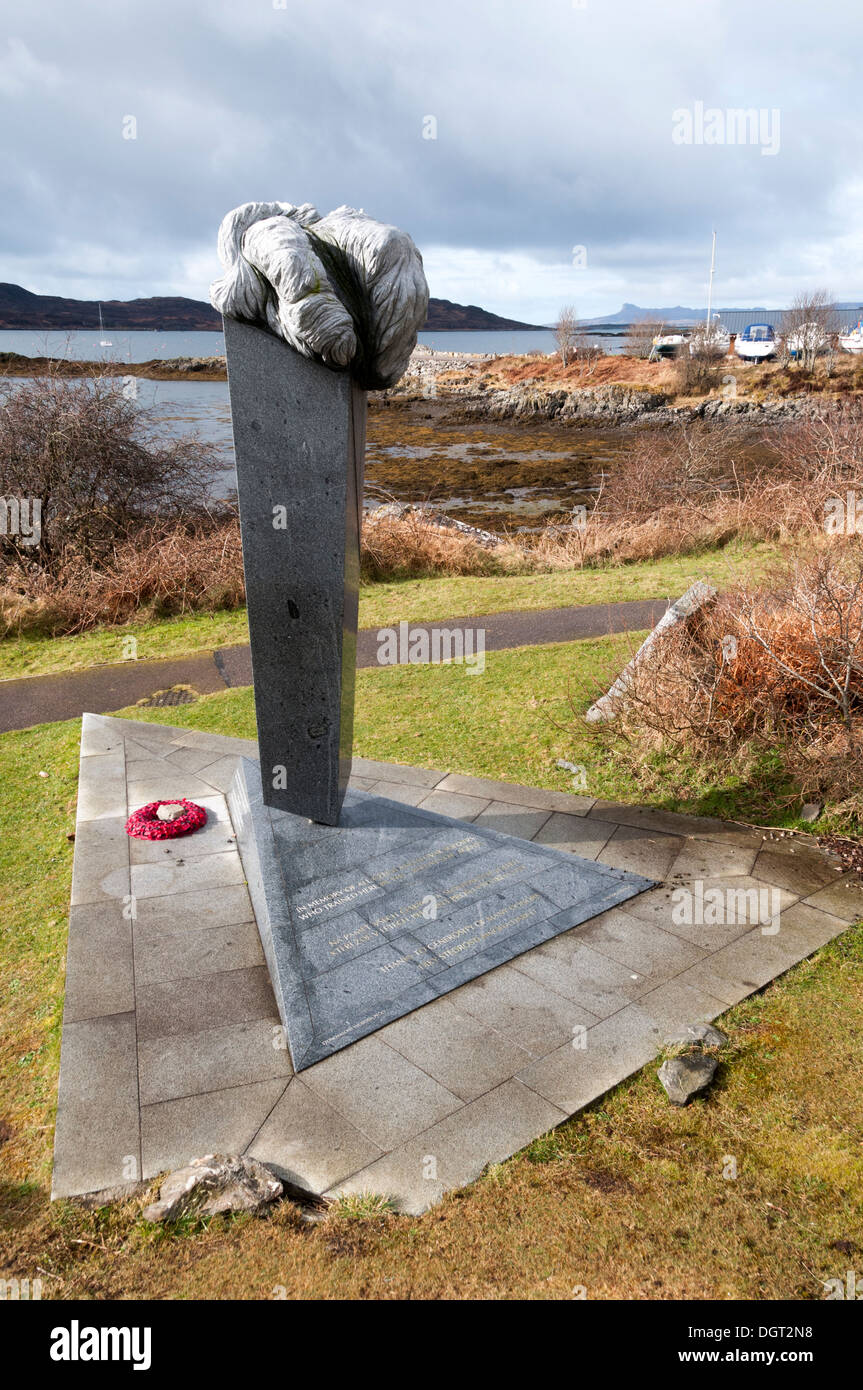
(735, 320)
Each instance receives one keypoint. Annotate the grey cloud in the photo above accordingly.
(553, 129)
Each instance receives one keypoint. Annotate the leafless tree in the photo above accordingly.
(639, 338)
(807, 326)
(566, 333)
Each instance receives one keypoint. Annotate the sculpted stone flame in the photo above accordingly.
(343, 289)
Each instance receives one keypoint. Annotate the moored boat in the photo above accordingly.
(756, 343)
(103, 341)
(809, 337)
(668, 344)
(851, 339)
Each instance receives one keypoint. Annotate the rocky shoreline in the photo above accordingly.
(460, 383)
(457, 383)
(619, 404)
(16, 364)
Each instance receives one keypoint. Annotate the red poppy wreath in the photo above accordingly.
(147, 824)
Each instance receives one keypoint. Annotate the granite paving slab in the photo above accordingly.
(309, 1142)
(365, 921)
(456, 1150)
(173, 1045)
(223, 1120)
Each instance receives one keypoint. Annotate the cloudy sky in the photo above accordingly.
(540, 153)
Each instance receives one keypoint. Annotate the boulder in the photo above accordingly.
(684, 1077)
(697, 596)
(216, 1183)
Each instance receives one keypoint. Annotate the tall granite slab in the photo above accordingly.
(299, 438)
(366, 908)
(365, 921)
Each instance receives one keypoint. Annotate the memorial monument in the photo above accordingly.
(367, 908)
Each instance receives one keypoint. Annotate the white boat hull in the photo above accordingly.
(717, 343)
(668, 344)
(755, 352)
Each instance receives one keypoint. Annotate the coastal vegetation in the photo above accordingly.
(460, 376)
(763, 690)
(125, 536)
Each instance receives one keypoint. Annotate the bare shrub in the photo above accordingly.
(589, 354)
(775, 668)
(164, 570)
(687, 462)
(566, 333)
(100, 463)
(697, 371)
(813, 462)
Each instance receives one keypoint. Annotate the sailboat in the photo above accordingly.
(711, 336)
(667, 344)
(103, 341)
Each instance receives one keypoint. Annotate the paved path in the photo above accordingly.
(41, 699)
(171, 1029)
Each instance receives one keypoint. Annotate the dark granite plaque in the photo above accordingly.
(299, 438)
(367, 920)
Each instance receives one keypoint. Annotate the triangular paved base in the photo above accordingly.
(363, 922)
(169, 1049)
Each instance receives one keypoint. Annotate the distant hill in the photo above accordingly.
(631, 313)
(19, 308)
(443, 316)
(681, 314)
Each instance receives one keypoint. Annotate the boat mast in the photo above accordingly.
(710, 285)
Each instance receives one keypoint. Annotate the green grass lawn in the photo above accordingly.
(629, 1199)
(381, 605)
(33, 655)
(426, 600)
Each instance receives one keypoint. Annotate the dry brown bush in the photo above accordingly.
(99, 463)
(777, 667)
(697, 373)
(161, 571)
(411, 546)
